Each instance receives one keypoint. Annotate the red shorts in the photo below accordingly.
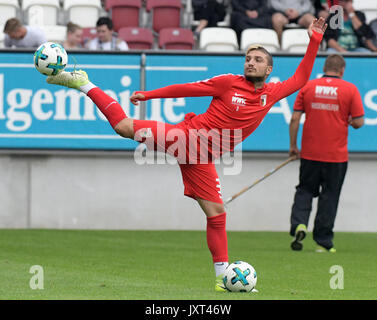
(201, 180)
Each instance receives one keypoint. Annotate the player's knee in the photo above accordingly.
(125, 128)
(220, 209)
(217, 209)
(211, 208)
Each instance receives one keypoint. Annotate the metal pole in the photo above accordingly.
(142, 106)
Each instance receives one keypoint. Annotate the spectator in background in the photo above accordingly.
(208, 12)
(250, 14)
(373, 25)
(291, 11)
(20, 36)
(355, 35)
(321, 8)
(331, 3)
(74, 37)
(106, 39)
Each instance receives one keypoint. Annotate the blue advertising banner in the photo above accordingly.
(34, 114)
(272, 134)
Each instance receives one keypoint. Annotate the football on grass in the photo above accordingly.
(50, 58)
(240, 277)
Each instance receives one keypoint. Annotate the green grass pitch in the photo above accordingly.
(160, 265)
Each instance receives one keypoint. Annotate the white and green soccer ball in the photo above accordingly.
(240, 276)
(50, 58)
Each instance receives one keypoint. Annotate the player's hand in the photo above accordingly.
(294, 153)
(317, 25)
(136, 97)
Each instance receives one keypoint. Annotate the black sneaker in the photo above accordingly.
(300, 235)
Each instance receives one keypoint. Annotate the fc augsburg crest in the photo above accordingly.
(263, 100)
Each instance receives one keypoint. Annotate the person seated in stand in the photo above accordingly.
(291, 11)
(250, 14)
(354, 36)
(20, 36)
(208, 12)
(74, 37)
(106, 38)
(322, 7)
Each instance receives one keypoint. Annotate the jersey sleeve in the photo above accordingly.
(302, 74)
(357, 109)
(212, 87)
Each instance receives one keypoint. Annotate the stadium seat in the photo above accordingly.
(218, 39)
(55, 33)
(124, 13)
(41, 12)
(164, 14)
(268, 38)
(8, 9)
(85, 13)
(137, 38)
(292, 25)
(368, 7)
(295, 40)
(176, 39)
(88, 34)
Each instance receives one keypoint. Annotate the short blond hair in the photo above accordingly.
(259, 47)
(11, 25)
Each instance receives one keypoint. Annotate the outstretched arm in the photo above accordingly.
(302, 74)
(212, 87)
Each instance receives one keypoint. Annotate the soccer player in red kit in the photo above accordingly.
(331, 105)
(239, 104)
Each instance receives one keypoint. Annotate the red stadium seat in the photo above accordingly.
(176, 38)
(124, 13)
(137, 38)
(164, 13)
(88, 34)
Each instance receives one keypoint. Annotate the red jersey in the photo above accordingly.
(237, 104)
(327, 102)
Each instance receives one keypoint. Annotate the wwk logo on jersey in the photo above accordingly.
(326, 92)
(238, 100)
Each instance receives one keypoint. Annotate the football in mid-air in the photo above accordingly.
(50, 58)
(240, 277)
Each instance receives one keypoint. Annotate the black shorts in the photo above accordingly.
(293, 20)
(212, 11)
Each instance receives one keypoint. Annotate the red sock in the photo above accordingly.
(111, 109)
(216, 237)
